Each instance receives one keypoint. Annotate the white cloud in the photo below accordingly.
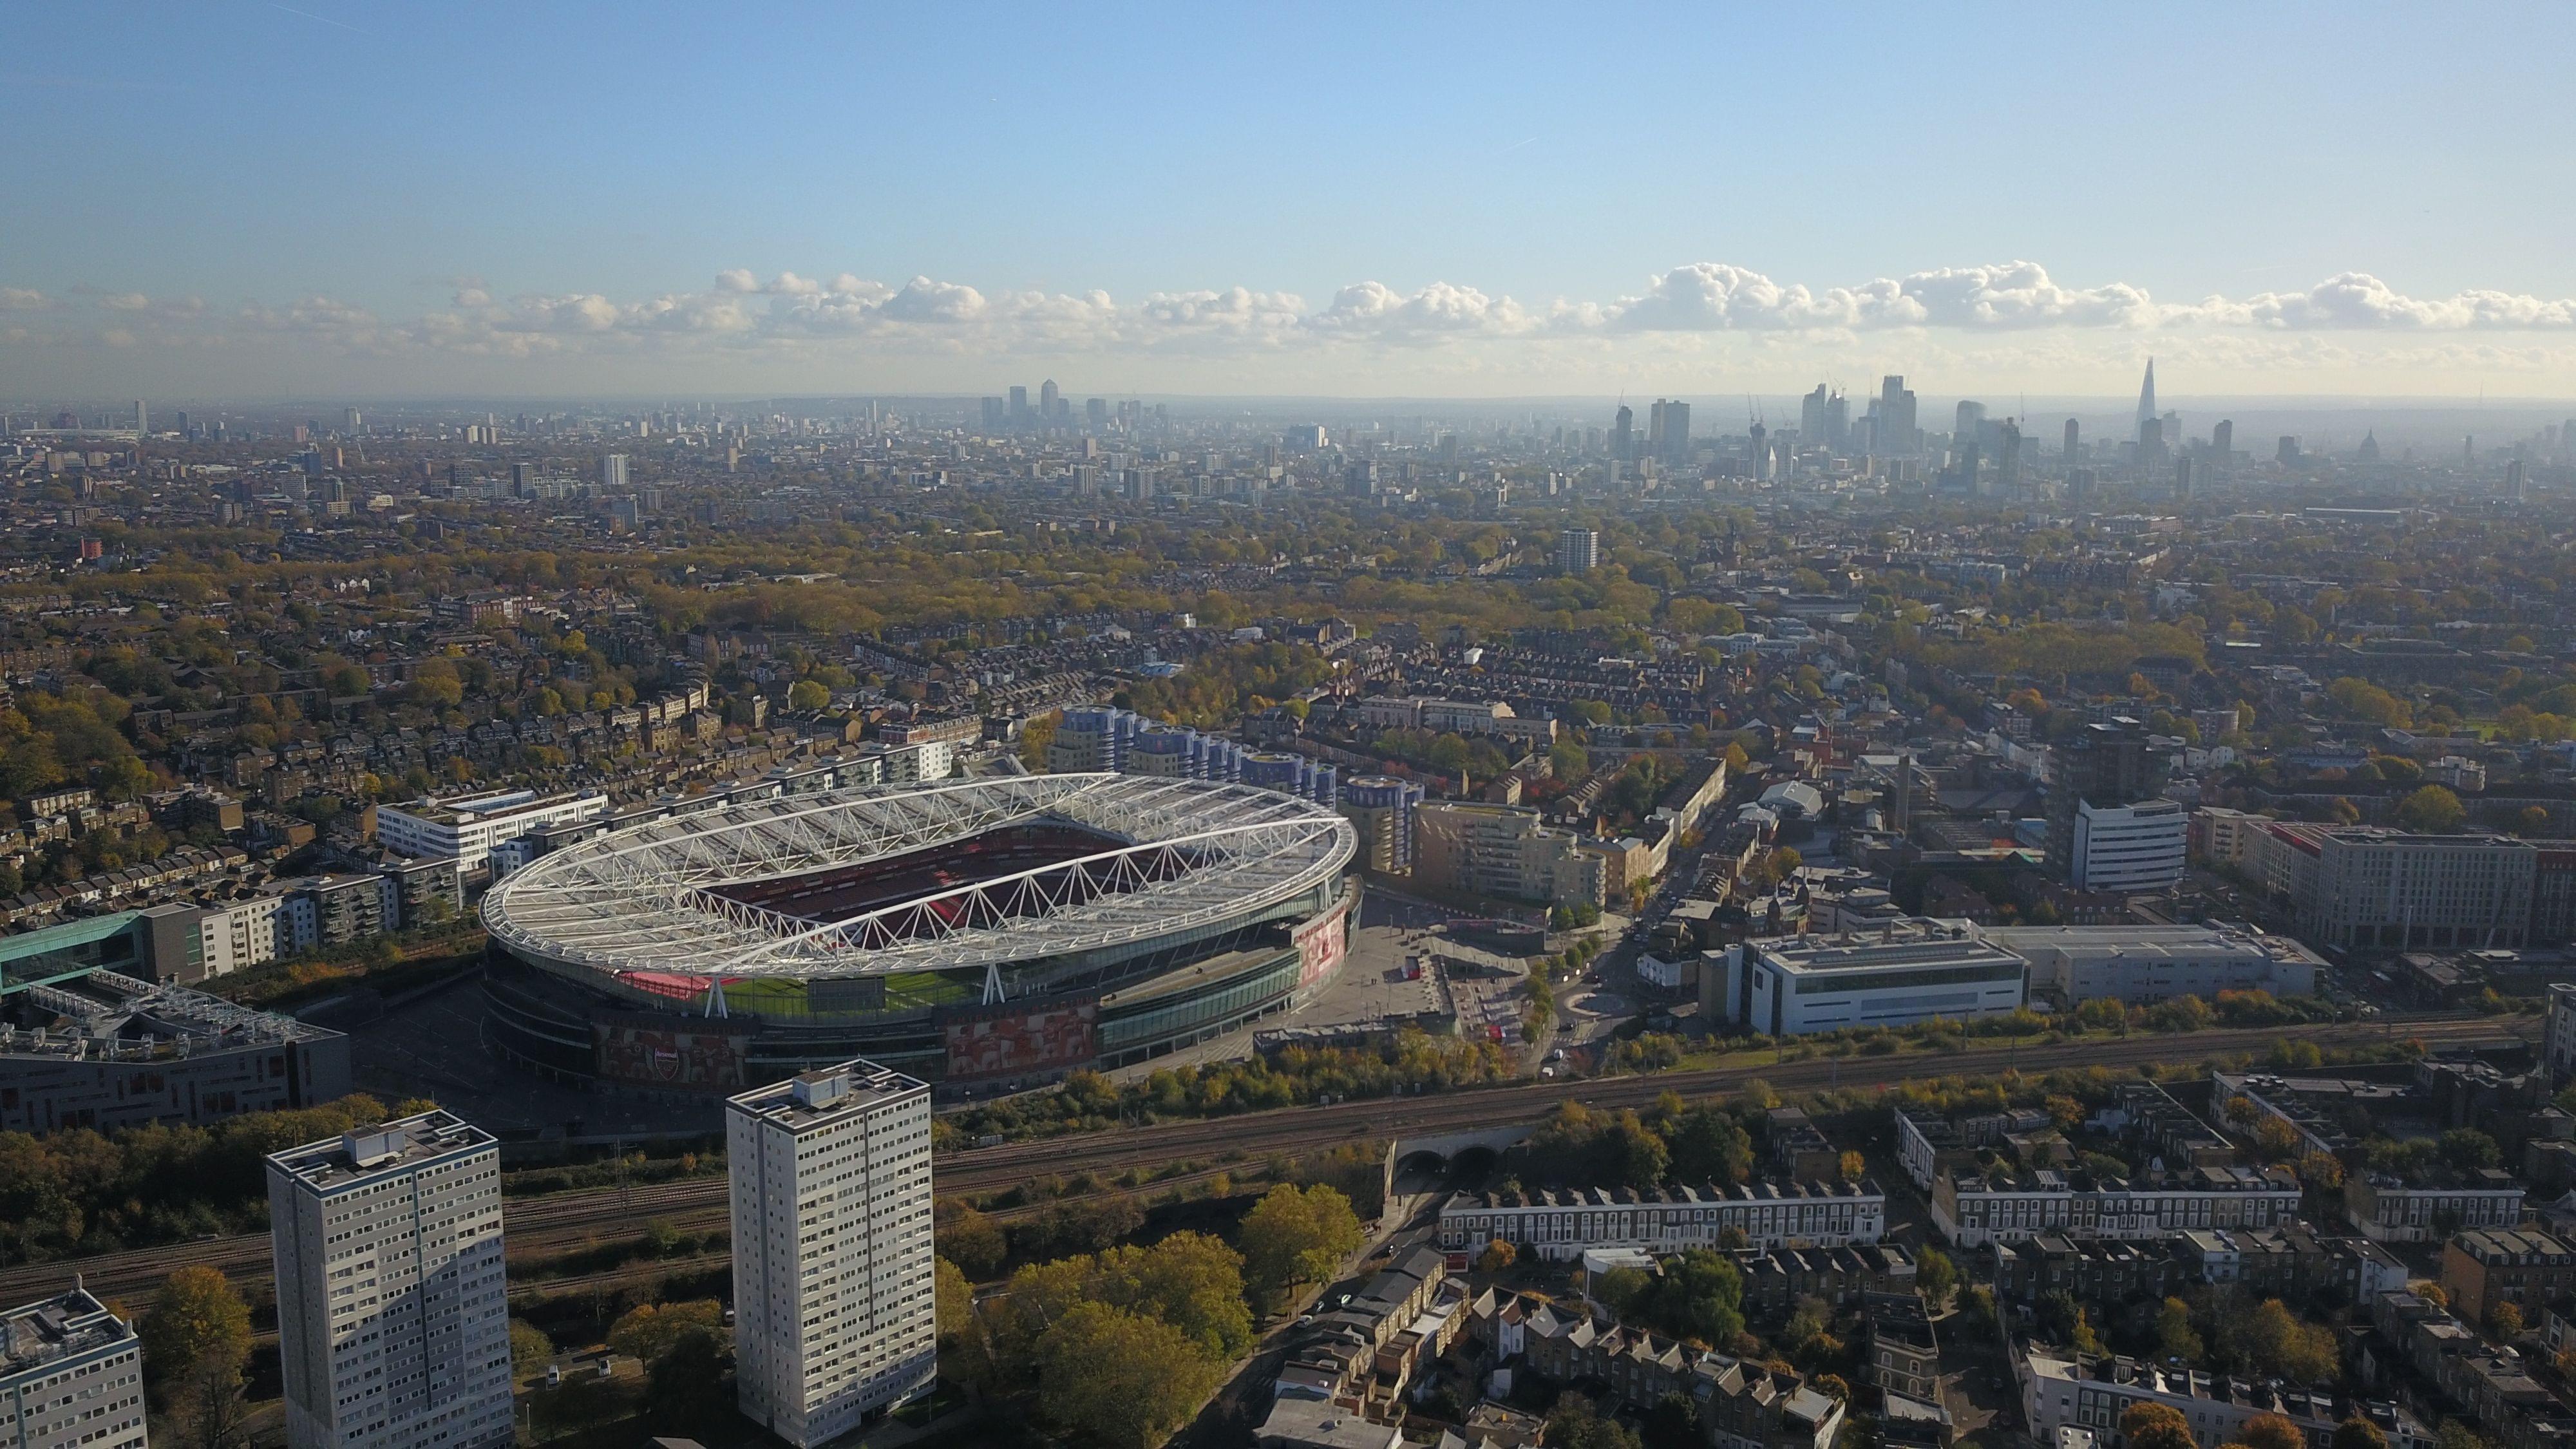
(1981, 316)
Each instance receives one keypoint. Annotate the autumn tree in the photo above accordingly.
(2271, 1431)
(1297, 1235)
(1123, 1378)
(198, 1322)
(2156, 1426)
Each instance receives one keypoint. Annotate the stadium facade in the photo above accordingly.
(1004, 929)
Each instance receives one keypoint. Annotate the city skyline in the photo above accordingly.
(899, 209)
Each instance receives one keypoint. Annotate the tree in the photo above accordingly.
(1497, 1256)
(648, 1330)
(970, 1239)
(684, 1384)
(2272, 1431)
(1854, 1166)
(2359, 1433)
(198, 1324)
(805, 694)
(2156, 1426)
(1121, 1377)
(2175, 1337)
(1574, 1423)
(2432, 809)
(529, 1346)
(2455, 1435)
(952, 1299)
(2468, 1149)
(1297, 1235)
(2300, 1352)
(2505, 1321)
(1935, 1275)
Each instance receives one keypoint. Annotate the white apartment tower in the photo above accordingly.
(393, 1320)
(71, 1376)
(832, 1265)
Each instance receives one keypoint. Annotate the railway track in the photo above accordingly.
(560, 1222)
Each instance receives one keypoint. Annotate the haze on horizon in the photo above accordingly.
(253, 201)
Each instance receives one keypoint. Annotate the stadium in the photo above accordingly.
(979, 930)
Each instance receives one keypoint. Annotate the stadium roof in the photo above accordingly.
(643, 899)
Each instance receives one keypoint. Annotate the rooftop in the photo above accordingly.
(812, 1098)
(68, 1323)
(363, 1155)
(105, 1017)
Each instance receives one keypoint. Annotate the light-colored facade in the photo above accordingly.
(832, 1258)
(2128, 847)
(1917, 970)
(468, 826)
(2156, 963)
(2060, 1394)
(1972, 1211)
(1502, 850)
(393, 1317)
(71, 1376)
(1563, 1224)
(2361, 888)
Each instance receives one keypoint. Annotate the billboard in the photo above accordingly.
(659, 1056)
(1001, 1040)
(1322, 944)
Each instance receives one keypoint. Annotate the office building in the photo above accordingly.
(2146, 403)
(100, 1050)
(831, 1249)
(1578, 551)
(2074, 438)
(393, 1320)
(2106, 763)
(2141, 963)
(71, 1375)
(2136, 847)
(1623, 442)
(612, 470)
(1898, 433)
(2364, 888)
(466, 827)
(1915, 970)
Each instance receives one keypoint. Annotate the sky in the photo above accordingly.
(249, 199)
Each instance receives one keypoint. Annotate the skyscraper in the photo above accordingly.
(832, 1266)
(1578, 551)
(1050, 401)
(1897, 432)
(2074, 436)
(142, 419)
(1757, 452)
(1971, 417)
(2147, 399)
(1622, 434)
(1019, 404)
(1676, 447)
(612, 470)
(393, 1320)
(1811, 415)
(2222, 441)
(2008, 460)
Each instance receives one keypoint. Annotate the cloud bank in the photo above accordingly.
(791, 319)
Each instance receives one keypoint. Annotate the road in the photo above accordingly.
(561, 1222)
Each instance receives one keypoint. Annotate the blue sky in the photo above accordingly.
(407, 195)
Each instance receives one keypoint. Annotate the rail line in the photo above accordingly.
(562, 1221)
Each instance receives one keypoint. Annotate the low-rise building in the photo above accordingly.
(2142, 963)
(1561, 1223)
(1904, 1357)
(1973, 1210)
(2060, 1390)
(1912, 971)
(2482, 1267)
(104, 1051)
